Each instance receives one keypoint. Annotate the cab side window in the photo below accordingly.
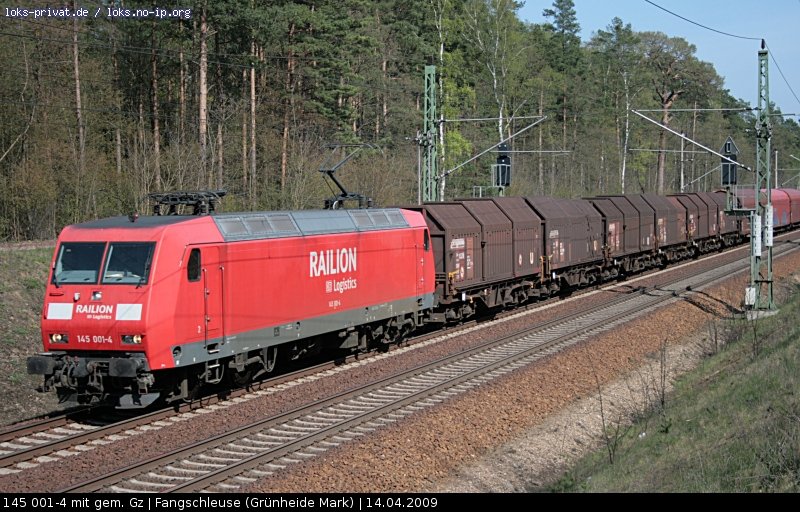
(193, 268)
(426, 241)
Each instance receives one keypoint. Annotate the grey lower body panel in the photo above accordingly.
(228, 346)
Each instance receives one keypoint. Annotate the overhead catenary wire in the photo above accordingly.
(509, 119)
(738, 109)
(656, 150)
(557, 151)
(771, 53)
(701, 25)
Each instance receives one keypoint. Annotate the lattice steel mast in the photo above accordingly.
(430, 170)
(759, 295)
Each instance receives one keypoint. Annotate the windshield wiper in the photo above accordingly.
(143, 276)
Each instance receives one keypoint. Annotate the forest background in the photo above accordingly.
(248, 95)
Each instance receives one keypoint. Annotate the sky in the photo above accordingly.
(736, 60)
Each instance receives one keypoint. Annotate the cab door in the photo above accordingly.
(423, 253)
(212, 272)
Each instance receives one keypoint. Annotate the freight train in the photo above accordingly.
(152, 308)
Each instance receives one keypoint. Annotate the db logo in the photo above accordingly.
(328, 286)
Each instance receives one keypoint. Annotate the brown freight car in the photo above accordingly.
(456, 239)
(496, 239)
(572, 238)
(527, 227)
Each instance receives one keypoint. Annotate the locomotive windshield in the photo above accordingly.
(128, 263)
(78, 263)
(125, 263)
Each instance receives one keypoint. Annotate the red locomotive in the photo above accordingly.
(149, 307)
(153, 307)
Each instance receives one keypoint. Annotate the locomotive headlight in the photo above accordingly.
(59, 338)
(132, 339)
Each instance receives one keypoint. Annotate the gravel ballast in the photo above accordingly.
(460, 445)
(435, 449)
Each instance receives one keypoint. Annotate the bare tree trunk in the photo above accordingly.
(541, 162)
(78, 104)
(662, 155)
(117, 131)
(245, 168)
(216, 179)
(572, 155)
(339, 96)
(182, 96)
(564, 117)
(253, 165)
(220, 156)
(154, 105)
(380, 112)
(262, 59)
(694, 137)
(668, 98)
(627, 133)
(203, 95)
(140, 154)
(385, 109)
(356, 106)
(289, 103)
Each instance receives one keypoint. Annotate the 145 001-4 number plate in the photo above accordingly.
(94, 338)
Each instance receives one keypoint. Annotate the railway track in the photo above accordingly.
(51, 438)
(235, 459)
(66, 435)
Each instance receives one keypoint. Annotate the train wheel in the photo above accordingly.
(244, 377)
